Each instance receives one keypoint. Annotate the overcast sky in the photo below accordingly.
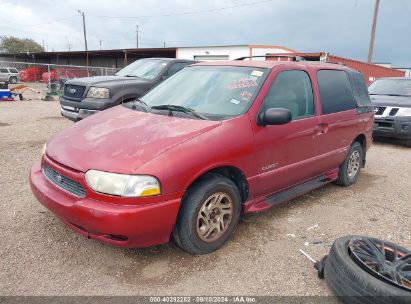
(341, 27)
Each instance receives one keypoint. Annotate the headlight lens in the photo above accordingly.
(122, 184)
(95, 92)
(404, 112)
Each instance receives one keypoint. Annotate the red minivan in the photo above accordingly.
(213, 141)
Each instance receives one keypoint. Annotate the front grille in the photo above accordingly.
(393, 111)
(379, 110)
(63, 182)
(74, 92)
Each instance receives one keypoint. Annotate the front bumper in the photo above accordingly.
(77, 110)
(398, 127)
(128, 226)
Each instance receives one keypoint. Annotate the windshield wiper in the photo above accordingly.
(146, 106)
(180, 109)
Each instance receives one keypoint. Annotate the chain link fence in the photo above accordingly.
(52, 75)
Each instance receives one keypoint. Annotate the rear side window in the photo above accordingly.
(13, 70)
(4, 71)
(335, 91)
(291, 90)
(175, 68)
(360, 91)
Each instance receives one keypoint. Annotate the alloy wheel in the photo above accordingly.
(214, 217)
(354, 164)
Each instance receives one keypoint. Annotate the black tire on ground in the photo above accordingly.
(354, 285)
(407, 143)
(343, 177)
(185, 232)
(13, 80)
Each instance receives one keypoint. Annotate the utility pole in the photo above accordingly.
(84, 28)
(100, 44)
(164, 45)
(69, 47)
(374, 26)
(137, 36)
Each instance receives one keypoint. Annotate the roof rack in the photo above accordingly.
(293, 57)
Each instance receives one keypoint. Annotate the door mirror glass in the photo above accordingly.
(274, 116)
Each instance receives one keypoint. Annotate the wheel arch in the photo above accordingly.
(233, 173)
(362, 140)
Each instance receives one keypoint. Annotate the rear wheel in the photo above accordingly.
(351, 167)
(13, 79)
(209, 213)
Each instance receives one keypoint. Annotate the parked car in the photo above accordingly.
(391, 98)
(10, 75)
(210, 142)
(86, 96)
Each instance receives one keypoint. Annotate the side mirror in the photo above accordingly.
(274, 116)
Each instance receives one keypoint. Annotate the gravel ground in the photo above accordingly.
(40, 256)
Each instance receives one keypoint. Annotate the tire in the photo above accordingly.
(353, 284)
(190, 231)
(407, 143)
(345, 178)
(13, 80)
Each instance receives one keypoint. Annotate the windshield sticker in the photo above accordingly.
(235, 101)
(257, 73)
(246, 96)
(164, 64)
(241, 83)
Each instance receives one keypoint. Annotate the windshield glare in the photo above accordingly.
(391, 87)
(144, 68)
(219, 91)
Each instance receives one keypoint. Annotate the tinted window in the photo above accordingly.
(4, 71)
(13, 71)
(359, 89)
(291, 90)
(175, 68)
(335, 91)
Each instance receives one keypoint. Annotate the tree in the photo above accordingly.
(19, 45)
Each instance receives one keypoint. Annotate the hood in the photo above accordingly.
(391, 101)
(105, 80)
(121, 140)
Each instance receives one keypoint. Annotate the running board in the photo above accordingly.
(297, 190)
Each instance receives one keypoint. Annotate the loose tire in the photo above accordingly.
(208, 215)
(351, 167)
(352, 283)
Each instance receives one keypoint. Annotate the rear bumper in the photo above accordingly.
(393, 127)
(119, 225)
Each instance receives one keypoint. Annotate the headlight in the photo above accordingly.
(122, 184)
(404, 112)
(95, 92)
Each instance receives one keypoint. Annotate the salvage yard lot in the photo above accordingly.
(40, 256)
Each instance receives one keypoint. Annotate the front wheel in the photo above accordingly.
(13, 80)
(351, 167)
(209, 213)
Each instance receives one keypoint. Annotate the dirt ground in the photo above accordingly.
(40, 256)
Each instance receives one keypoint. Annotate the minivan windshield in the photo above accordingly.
(216, 92)
(396, 87)
(144, 68)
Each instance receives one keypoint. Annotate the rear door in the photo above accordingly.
(339, 122)
(285, 154)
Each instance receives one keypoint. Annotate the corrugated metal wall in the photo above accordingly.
(371, 71)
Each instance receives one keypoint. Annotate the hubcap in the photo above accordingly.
(214, 217)
(353, 164)
(384, 260)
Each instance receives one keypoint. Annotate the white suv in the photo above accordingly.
(10, 75)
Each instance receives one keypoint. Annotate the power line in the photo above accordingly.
(187, 13)
(38, 24)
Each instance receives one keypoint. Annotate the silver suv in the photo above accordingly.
(10, 75)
